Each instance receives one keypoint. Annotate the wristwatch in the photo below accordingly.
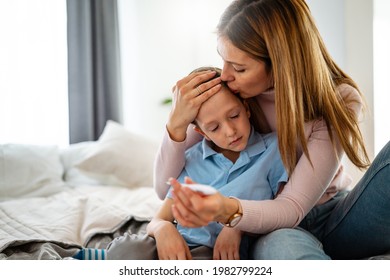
(235, 218)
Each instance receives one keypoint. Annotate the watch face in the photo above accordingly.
(235, 220)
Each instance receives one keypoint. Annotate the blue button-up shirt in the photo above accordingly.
(256, 175)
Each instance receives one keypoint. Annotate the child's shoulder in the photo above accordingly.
(270, 140)
(197, 148)
(270, 137)
(262, 143)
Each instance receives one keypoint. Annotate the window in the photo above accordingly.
(33, 72)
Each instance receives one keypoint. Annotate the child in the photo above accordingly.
(234, 159)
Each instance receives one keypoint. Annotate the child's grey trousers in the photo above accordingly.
(143, 247)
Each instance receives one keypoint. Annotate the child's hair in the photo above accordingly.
(218, 74)
(209, 68)
(257, 117)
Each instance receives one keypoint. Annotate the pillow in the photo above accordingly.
(29, 171)
(121, 158)
(72, 155)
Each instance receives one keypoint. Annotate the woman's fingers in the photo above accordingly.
(179, 196)
(195, 84)
(191, 209)
(205, 87)
(188, 215)
(188, 219)
(188, 180)
(188, 95)
(182, 207)
(196, 78)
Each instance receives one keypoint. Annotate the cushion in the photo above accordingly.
(121, 158)
(29, 171)
(72, 155)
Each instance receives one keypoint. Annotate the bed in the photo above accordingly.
(53, 201)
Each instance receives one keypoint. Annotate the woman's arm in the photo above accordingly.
(304, 189)
(307, 184)
(170, 160)
(179, 134)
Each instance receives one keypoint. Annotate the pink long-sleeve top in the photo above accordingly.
(307, 186)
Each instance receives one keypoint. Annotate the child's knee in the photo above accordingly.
(132, 247)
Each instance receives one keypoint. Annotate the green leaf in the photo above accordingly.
(166, 101)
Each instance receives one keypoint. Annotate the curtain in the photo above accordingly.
(94, 75)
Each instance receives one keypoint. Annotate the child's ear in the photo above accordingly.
(197, 129)
(248, 112)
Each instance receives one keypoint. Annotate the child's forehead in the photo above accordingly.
(223, 95)
(222, 100)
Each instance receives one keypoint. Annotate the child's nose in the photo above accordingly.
(230, 130)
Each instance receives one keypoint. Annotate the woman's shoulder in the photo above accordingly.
(352, 98)
(267, 96)
(349, 93)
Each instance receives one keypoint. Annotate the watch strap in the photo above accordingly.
(236, 217)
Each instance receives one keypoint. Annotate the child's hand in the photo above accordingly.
(171, 245)
(227, 245)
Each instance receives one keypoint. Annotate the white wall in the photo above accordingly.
(381, 71)
(360, 63)
(347, 29)
(329, 17)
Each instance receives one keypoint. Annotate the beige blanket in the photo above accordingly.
(74, 215)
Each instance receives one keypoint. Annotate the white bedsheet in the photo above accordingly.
(74, 215)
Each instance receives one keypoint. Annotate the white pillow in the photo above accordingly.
(121, 158)
(72, 155)
(29, 171)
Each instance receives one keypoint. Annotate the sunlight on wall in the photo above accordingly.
(381, 77)
(161, 42)
(33, 72)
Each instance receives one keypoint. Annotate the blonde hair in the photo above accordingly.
(283, 34)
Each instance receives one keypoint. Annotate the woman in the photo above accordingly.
(274, 56)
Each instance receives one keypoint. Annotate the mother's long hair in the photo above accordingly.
(282, 33)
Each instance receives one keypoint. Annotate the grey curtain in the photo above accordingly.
(94, 67)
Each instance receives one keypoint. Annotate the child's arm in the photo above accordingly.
(227, 245)
(170, 244)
